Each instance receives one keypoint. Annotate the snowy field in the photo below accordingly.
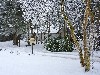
(19, 61)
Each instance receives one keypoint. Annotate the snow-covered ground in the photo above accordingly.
(16, 60)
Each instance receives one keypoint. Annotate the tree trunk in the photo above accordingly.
(86, 49)
(78, 47)
(15, 41)
(72, 34)
(64, 29)
(41, 37)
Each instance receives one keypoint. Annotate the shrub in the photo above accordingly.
(59, 44)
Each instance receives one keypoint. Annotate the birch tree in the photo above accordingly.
(84, 58)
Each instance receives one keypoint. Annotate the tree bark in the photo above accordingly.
(86, 49)
(15, 41)
(72, 34)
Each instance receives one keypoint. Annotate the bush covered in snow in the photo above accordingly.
(59, 44)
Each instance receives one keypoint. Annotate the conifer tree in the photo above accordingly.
(13, 19)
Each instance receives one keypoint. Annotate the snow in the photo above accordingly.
(16, 60)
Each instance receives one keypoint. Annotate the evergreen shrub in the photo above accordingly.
(59, 44)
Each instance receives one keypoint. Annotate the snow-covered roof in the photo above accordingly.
(52, 30)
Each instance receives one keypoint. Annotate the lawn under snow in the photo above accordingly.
(19, 61)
